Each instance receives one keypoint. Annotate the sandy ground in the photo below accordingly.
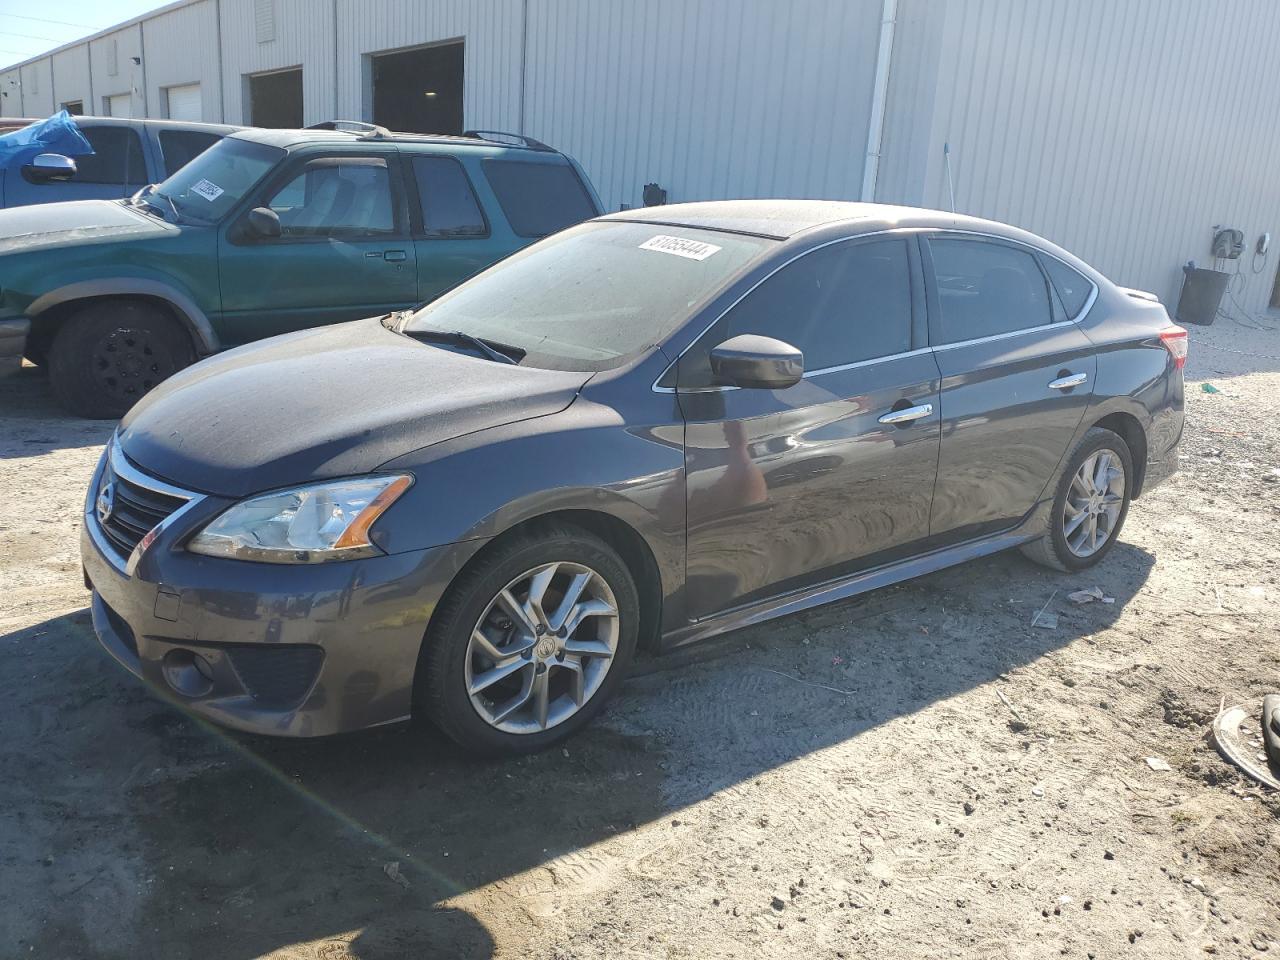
(845, 783)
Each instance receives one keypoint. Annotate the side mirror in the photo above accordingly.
(764, 363)
(265, 223)
(46, 167)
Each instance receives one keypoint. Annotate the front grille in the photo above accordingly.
(277, 675)
(135, 511)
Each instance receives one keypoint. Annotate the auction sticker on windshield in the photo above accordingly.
(680, 247)
(210, 191)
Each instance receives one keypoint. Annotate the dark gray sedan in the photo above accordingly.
(648, 429)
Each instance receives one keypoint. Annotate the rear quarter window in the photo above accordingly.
(539, 199)
(117, 157)
(1073, 287)
(180, 147)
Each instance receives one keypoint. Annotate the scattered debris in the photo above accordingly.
(1089, 596)
(1209, 388)
(1017, 724)
(969, 808)
(1048, 621)
(1158, 765)
(1038, 790)
(1235, 747)
(392, 870)
(808, 683)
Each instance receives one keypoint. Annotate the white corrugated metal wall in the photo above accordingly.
(182, 48)
(71, 76)
(303, 36)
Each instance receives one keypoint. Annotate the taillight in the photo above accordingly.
(1175, 341)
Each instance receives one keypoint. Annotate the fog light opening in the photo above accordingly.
(188, 673)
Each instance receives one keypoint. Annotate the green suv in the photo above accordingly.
(266, 232)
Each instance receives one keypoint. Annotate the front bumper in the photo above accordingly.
(13, 342)
(286, 650)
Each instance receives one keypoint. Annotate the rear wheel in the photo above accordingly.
(1091, 504)
(105, 357)
(530, 642)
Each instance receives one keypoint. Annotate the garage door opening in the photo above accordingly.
(419, 90)
(74, 107)
(275, 99)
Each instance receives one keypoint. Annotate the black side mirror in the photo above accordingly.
(264, 223)
(751, 360)
(47, 167)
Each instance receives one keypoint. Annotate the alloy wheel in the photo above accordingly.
(1094, 503)
(542, 648)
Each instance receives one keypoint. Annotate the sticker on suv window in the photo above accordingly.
(210, 191)
(680, 247)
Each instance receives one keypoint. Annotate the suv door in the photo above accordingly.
(117, 168)
(452, 236)
(816, 476)
(344, 252)
(1017, 377)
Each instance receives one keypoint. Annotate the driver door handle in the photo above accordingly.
(1066, 383)
(395, 256)
(907, 414)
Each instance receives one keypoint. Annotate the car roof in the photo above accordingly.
(294, 138)
(16, 123)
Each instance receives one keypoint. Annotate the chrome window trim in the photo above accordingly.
(1003, 336)
(119, 466)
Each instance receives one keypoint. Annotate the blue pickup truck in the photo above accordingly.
(127, 155)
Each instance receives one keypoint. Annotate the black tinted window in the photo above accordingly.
(986, 289)
(117, 157)
(841, 304)
(449, 205)
(180, 147)
(1072, 286)
(539, 198)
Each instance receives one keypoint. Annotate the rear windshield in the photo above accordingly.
(208, 187)
(539, 199)
(595, 295)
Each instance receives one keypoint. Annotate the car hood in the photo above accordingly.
(23, 229)
(328, 402)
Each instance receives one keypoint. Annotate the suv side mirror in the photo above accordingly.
(750, 360)
(264, 223)
(46, 167)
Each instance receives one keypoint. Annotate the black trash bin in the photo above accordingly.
(1202, 292)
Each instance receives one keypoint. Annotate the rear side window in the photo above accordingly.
(117, 157)
(841, 304)
(180, 147)
(449, 204)
(986, 289)
(539, 199)
(1073, 287)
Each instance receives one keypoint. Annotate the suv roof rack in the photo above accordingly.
(516, 139)
(367, 131)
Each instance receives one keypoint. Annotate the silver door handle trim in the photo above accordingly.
(908, 414)
(1066, 383)
(395, 256)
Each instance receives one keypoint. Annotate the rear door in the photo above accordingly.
(1017, 376)
(345, 252)
(786, 488)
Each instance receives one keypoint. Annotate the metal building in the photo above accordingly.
(1126, 131)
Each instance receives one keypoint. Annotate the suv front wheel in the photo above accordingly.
(108, 354)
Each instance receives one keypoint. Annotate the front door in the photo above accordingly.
(787, 488)
(1017, 377)
(344, 252)
(117, 168)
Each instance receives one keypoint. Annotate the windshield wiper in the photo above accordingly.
(499, 352)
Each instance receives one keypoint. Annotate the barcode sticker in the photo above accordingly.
(680, 247)
(210, 191)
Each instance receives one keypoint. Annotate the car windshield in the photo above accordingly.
(593, 296)
(208, 187)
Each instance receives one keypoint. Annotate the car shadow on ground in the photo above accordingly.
(198, 843)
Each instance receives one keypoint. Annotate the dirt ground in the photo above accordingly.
(845, 783)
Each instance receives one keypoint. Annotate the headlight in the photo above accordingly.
(312, 524)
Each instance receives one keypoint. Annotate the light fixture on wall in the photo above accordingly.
(430, 94)
(137, 61)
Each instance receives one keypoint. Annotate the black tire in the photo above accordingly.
(440, 692)
(107, 355)
(1052, 550)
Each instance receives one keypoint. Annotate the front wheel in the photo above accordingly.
(1090, 506)
(530, 642)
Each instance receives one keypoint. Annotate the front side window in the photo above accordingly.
(117, 157)
(595, 295)
(348, 197)
(986, 289)
(449, 204)
(1073, 287)
(208, 187)
(539, 199)
(180, 147)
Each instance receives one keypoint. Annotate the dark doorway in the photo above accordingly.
(275, 99)
(74, 107)
(1275, 292)
(419, 90)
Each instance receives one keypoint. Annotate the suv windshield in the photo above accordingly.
(208, 187)
(594, 296)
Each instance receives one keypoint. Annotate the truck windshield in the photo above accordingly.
(208, 187)
(593, 296)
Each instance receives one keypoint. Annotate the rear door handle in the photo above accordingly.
(395, 256)
(907, 414)
(1066, 383)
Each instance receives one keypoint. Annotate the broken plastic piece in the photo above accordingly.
(1234, 746)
